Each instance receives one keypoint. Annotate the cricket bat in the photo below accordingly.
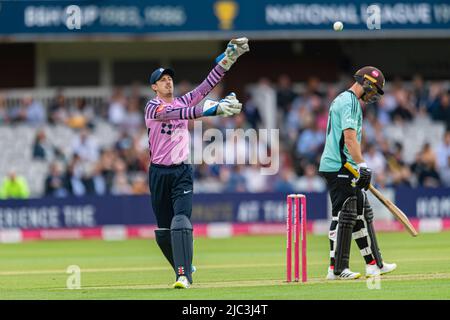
(398, 214)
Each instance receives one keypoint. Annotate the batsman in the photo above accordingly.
(352, 215)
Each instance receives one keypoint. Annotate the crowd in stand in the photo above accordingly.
(300, 113)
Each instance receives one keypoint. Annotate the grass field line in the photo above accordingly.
(269, 282)
(134, 269)
(162, 268)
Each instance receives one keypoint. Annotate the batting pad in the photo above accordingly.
(347, 220)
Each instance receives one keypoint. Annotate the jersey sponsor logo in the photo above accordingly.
(166, 128)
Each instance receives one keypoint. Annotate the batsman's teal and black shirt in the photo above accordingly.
(345, 113)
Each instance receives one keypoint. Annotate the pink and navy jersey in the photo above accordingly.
(167, 122)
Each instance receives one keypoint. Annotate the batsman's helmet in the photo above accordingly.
(372, 80)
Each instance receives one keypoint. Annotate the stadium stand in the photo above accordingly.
(407, 119)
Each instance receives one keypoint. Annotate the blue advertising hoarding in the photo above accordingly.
(219, 18)
(424, 202)
(74, 212)
(213, 214)
(52, 213)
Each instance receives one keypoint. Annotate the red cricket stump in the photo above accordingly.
(288, 243)
(296, 211)
(297, 240)
(303, 224)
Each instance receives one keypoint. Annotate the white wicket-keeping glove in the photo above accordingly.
(235, 48)
(226, 107)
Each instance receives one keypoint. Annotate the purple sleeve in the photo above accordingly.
(186, 107)
(195, 96)
(157, 111)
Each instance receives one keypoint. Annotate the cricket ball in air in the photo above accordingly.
(338, 26)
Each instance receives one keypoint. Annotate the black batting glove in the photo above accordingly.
(365, 175)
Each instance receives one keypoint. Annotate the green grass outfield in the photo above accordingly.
(247, 267)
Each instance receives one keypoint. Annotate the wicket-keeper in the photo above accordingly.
(352, 215)
(170, 176)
